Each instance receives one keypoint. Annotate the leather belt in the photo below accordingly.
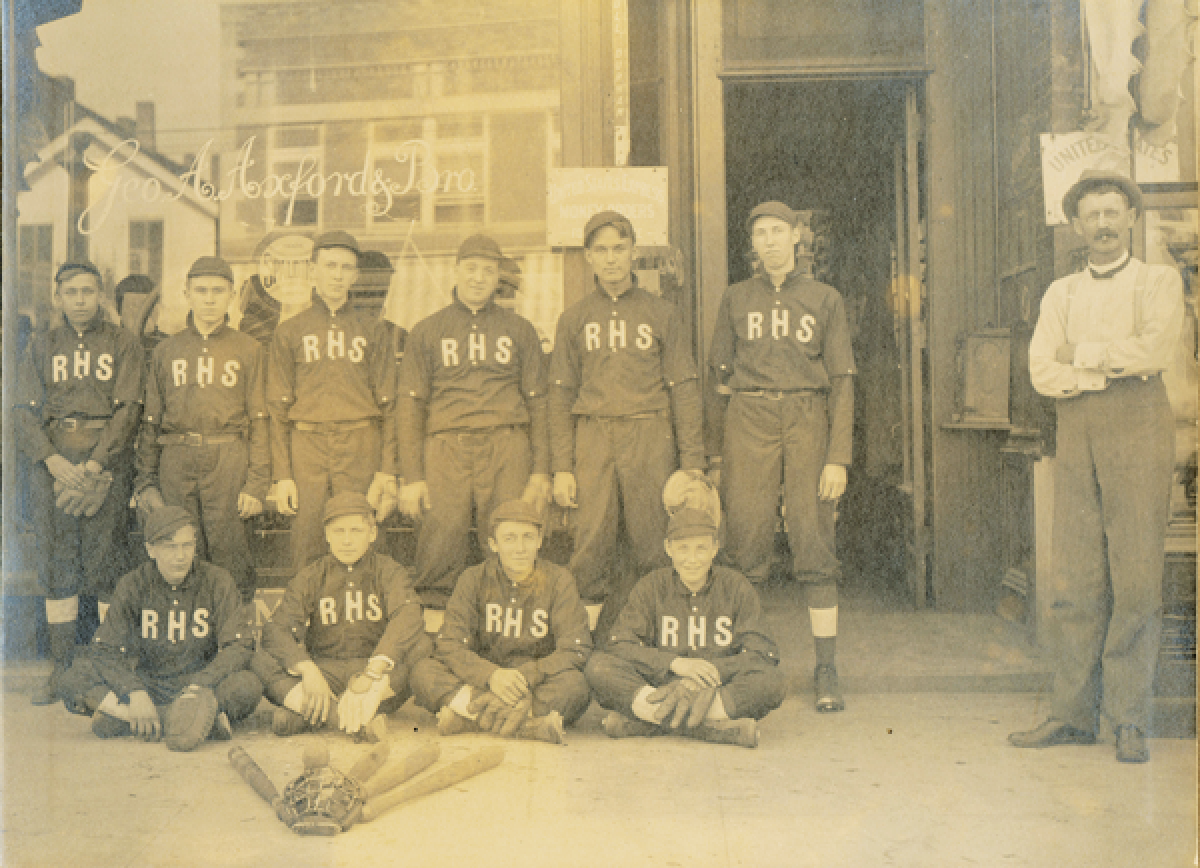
(73, 424)
(192, 438)
(775, 394)
(332, 427)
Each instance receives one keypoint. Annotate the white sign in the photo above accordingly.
(1065, 156)
(574, 195)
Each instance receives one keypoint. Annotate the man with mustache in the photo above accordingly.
(1103, 339)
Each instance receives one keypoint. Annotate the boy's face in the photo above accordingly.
(517, 544)
(610, 255)
(477, 278)
(79, 295)
(349, 537)
(209, 299)
(334, 272)
(174, 556)
(692, 557)
(774, 241)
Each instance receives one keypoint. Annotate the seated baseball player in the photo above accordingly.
(338, 649)
(510, 655)
(170, 659)
(690, 653)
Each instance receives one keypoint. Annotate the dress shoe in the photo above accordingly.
(1051, 734)
(617, 725)
(1131, 745)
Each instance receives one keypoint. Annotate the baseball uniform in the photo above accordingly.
(204, 437)
(722, 623)
(539, 628)
(471, 421)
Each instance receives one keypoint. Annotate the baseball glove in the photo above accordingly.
(674, 699)
(323, 801)
(87, 499)
(694, 490)
(487, 706)
(701, 703)
(508, 720)
(189, 719)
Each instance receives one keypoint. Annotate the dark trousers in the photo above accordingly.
(479, 468)
(767, 441)
(434, 685)
(80, 554)
(1112, 479)
(206, 481)
(325, 464)
(753, 692)
(621, 464)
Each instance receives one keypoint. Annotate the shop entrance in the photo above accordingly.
(848, 154)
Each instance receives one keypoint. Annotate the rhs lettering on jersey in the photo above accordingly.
(616, 335)
(79, 366)
(335, 347)
(508, 621)
(353, 610)
(205, 369)
(695, 635)
(177, 626)
(780, 326)
(476, 350)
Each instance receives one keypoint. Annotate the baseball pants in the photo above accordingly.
(337, 671)
(80, 554)
(615, 681)
(766, 441)
(480, 468)
(621, 465)
(434, 685)
(325, 463)
(1112, 478)
(206, 481)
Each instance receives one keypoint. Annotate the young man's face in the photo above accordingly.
(209, 298)
(334, 271)
(80, 297)
(692, 557)
(174, 556)
(517, 544)
(1104, 220)
(477, 278)
(349, 537)
(610, 255)
(775, 241)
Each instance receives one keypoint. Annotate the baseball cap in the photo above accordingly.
(516, 510)
(691, 522)
(479, 246)
(210, 266)
(68, 268)
(347, 503)
(772, 209)
(162, 523)
(335, 238)
(607, 218)
(1093, 178)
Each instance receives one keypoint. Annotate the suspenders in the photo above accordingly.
(1139, 289)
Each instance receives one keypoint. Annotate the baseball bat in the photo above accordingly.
(371, 762)
(457, 772)
(409, 767)
(260, 783)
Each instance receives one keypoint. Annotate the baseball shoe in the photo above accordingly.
(1131, 745)
(547, 728)
(1051, 734)
(829, 695)
(450, 722)
(617, 725)
(47, 693)
(742, 732)
(285, 722)
(189, 719)
(106, 726)
(221, 728)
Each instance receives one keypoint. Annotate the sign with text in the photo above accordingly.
(574, 195)
(1064, 158)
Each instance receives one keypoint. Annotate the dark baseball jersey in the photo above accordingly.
(330, 366)
(207, 384)
(464, 369)
(331, 610)
(626, 356)
(96, 373)
(492, 622)
(722, 623)
(198, 628)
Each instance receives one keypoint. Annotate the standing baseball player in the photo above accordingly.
(510, 655)
(79, 399)
(624, 411)
(471, 418)
(330, 384)
(1102, 341)
(170, 659)
(349, 626)
(690, 652)
(204, 434)
(781, 346)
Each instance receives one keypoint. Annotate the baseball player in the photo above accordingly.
(349, 626)
(511, 651)
(624, 411)
(204, 434)
(330, 385)
(471, 418)
(781, 351)
(170, 659)
(690, 652)
(79, 397)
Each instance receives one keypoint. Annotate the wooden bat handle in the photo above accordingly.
(370, 763)
(259, 782)
(399, 772)
(448, 776)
